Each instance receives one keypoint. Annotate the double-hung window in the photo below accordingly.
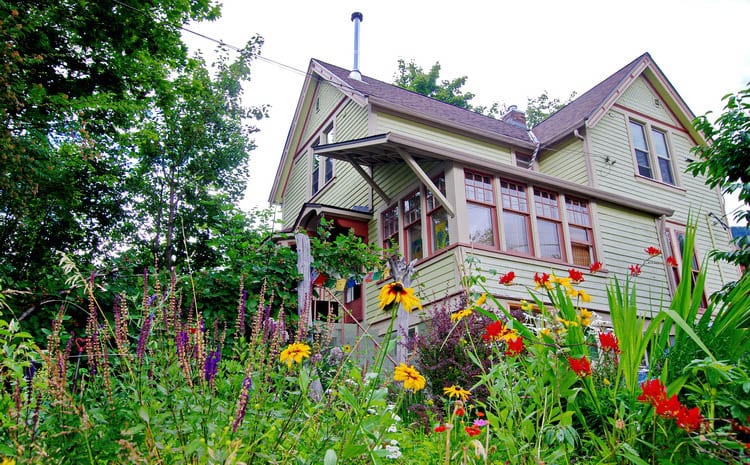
(480, 205)
(389, 220)
(516, 218)
(652, 155)
(549, 224)
(437, 218)
(320, 177)
(581, 233)
(413, 226)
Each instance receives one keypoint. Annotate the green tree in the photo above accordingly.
(412, 77)
(540, 108)
(725, 161)
(115, 139)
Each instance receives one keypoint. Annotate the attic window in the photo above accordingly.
(524, 160)
(657, 103)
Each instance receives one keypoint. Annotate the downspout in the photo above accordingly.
(536, 149)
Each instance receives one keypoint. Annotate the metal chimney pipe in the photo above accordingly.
(355, 74)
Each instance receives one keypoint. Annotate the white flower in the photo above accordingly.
(392, 428)
(395, 417)
(372, 411)
(393, 452)
(394, 442)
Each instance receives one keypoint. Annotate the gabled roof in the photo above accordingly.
(396, 99)
(593, 104)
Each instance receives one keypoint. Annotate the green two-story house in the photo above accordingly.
(598, 181)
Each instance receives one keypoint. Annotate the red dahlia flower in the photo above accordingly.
(652, 251)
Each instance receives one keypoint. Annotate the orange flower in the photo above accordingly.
(596, 266)
(575, 275)
(507, 278)
(652, 251)
(581, 366)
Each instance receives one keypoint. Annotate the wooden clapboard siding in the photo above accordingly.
(640, 96)
(566, 162)
(481, 150)
(297, 190)
(624, 236)
(325, 100)
(347, 188)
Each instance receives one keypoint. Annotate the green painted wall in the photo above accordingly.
(566, 162)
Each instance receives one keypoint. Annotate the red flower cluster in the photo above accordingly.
(635, 270)
(652, 251)
(581, 366)
(440, 428)
(515, 347)
(608, 342)
(575, 275)
(495, 331)
(541, 280)
(472, 430)
(596, 266)
(671, 261)
(655, 393)
(507, 278)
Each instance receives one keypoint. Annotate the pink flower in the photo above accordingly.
(479, 422)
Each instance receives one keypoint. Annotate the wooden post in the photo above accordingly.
(401, 271)
(304, 302)
(304, 261)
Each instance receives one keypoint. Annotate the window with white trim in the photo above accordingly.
(652, 154)
(320, 177)
(412, 208)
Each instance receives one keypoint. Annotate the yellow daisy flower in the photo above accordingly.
(396, 292)
(585, 317)
(460, 315)
(481, 300)
(456, 392)
(545, 332)
(410, 377)
(294, 353)
(525, 306)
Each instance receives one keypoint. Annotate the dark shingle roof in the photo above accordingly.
(394, 96)
(573, 115)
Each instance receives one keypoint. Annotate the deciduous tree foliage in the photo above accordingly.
(412, 77)
(114, 138)
(725, 161)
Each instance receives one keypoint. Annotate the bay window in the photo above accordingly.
(549, 224)
(581, 233)
(413, 226)
(516, 217)
(480, 203)
(437, 217)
